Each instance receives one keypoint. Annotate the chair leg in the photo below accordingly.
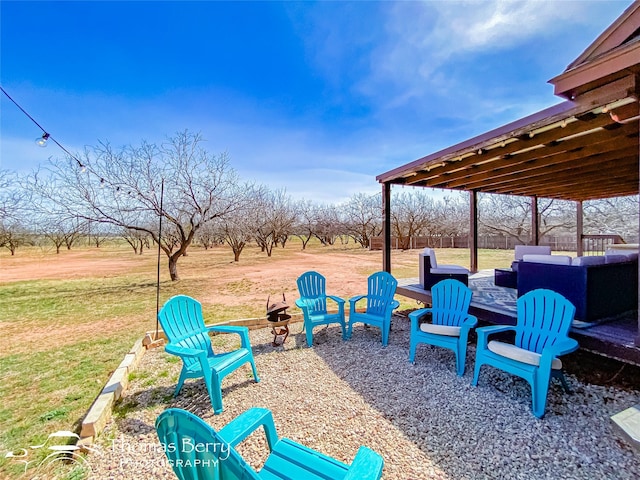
(560, 376)
(539, 399)
(214, 388)
(253, 368)
(412, 351)
(476, 372)
(344, 331)
(309, 336)
(460, 359)
(183, 377)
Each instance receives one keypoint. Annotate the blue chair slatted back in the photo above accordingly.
(183, 324)
(381, 287)
(544, 317)
(312, 288)
(196, 451)
(450, 300)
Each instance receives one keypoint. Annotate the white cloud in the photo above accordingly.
(424, 38)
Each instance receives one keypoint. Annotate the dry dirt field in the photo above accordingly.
(241, 288)
(228, 287)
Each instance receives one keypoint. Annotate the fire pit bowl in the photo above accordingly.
(279, 320)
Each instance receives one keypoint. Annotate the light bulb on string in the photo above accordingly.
(42, 141)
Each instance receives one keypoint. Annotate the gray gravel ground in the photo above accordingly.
(424, 420)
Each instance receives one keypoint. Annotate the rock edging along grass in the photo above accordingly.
(100, 411)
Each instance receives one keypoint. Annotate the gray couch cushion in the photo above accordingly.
(552, 259)
(588, 260)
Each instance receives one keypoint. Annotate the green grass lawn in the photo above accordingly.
(62, 337)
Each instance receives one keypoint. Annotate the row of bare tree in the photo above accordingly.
(177, 194)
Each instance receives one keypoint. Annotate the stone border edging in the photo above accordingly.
(100, 411)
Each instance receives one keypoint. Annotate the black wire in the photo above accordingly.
(41, 128)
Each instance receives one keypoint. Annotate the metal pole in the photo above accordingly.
(158, 262)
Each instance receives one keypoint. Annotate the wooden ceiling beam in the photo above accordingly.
(587, 193)
(556, 134)
(591, 175)
(599, 142)
(550, 165)
(586, 184)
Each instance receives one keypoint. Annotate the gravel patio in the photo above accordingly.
(424, 420)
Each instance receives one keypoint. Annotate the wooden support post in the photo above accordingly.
(386, 226)
(579, 229)
(637, 342)
(473, 231)
(535, 224)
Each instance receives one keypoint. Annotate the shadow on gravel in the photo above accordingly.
(489, 431)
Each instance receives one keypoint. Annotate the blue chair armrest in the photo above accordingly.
(394, 304)
(470, 322)
(357, 298)
(484, 332)
(415, 317)
(566, 345)
(336, 299)
(242, 331)
(366, 466)
(303, 305)
(183, 351)
(179, 351)
(563, 347)
(246, 423)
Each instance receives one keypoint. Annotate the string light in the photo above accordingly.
(42, 141)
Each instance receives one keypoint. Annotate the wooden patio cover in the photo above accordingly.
(568, 151)
(582, 149)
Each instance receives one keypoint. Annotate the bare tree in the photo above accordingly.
(60, 229)
(328, 224)
(14, 202)
(305, 222)
(134, 187)
(237, 231)
(97, 233)
(510, 216)
(452, 213)
(363, 217)
(413, 214)
(274, 217)
(138, 239)
(209, 235)
(612, 216)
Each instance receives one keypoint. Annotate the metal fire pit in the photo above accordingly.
(278, 320)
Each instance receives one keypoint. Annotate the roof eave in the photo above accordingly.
(544, 117)
(617, 63)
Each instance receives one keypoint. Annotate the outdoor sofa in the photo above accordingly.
(598, 286)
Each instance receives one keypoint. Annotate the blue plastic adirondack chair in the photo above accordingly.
(381, 287)
(450, 321)
(541, 335)
(313, 303)
(198, 452)
(182, 322)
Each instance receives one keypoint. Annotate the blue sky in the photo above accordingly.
(315, 97)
